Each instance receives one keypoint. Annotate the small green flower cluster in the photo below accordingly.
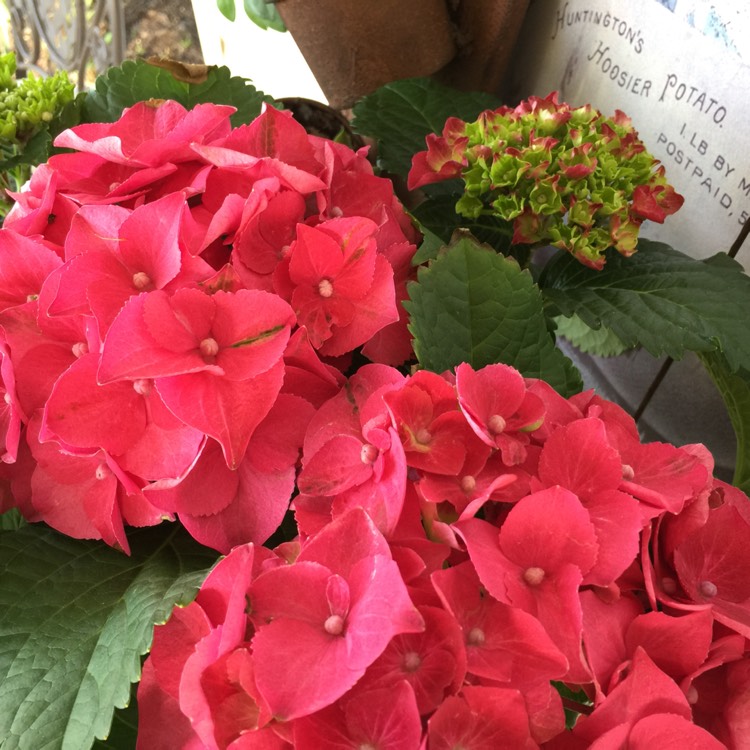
(565, 176)
(28, 103)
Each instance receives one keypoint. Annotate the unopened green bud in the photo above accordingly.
(469, 206)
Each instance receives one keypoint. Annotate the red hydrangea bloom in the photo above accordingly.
(466, 622)
(565, 176)
(164, 282)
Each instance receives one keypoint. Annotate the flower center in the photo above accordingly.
(423, 436)
(143, 386)
(368, 454)
(668, 585)
(141, 280)
(411, 661)
(102, 471)
(80, 348)
(334, 625)
(533, 576)
(476, 637)
(496, 424)
(692, 695)
(208, 348)
(708, 589)
(325, 288)
(627, 472)
(468, 484)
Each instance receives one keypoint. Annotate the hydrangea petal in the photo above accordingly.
(227, 410)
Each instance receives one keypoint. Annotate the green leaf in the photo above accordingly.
(35, 151)
(600, 342)
(123, 733)
(400, 114)
(430, 247)
(227, 8)
(264, 14)
(735, 390)
(659, 299)
(75, 618)
(577, 698)
(136, 80)
(473, 305)
(69, 116)
(439, 215)
(11, 520)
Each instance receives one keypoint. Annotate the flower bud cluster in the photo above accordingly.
(566, 176)
(27, 104)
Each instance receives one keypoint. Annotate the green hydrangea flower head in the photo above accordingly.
(31, 102)
(566, 176)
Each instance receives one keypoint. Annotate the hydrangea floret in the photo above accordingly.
(565, 176)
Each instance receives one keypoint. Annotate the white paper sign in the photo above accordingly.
(688, 95)
(679, 69)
